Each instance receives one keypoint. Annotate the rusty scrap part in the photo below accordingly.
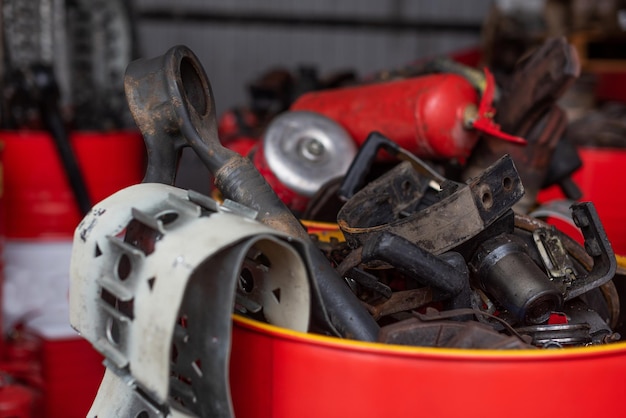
(558, 264)
(171, 100)
(528, 109)
(536, 84)
(457, 217)
(530, 224)
(565, 161)
(172, 103)
(403, 300)
(351, 261)
(558, 335)
(325, 204)
(597, 256)
(453, 334)
(503, 268)
(585, 326)
(532, 160)
(603, 126)
(597, 245)
(434, 315)
(535, 159)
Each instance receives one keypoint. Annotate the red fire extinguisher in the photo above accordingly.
(437, 116)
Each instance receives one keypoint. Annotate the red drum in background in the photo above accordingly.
(40, 218)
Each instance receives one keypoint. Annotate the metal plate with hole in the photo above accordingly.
(447, 223)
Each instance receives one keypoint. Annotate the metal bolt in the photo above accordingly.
(312, 149)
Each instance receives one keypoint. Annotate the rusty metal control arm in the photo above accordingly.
(172, 103)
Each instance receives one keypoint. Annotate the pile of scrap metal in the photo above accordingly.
(438, 251)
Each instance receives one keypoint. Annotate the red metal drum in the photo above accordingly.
(41, 216)
(283, 374)
(38, 201)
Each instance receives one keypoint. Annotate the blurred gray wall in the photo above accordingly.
(235, 53)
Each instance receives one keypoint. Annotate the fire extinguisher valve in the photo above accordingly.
(481, 118)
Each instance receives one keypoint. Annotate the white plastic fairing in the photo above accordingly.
(153, 282)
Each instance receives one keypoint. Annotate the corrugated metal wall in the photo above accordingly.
(234, 52)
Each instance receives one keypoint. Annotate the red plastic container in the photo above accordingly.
(283, 374)
(279, 373)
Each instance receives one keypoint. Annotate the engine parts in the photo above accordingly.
(154, 264)
(471, 334)
(527, 273)
(411, 206)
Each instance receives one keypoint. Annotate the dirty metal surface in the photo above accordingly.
(171, 100)
(455, 218)
(528, 109)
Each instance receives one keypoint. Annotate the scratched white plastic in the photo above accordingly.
(140, 355)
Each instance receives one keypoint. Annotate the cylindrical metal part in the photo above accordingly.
(504, 270)
(300, 152)
(424, 115)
